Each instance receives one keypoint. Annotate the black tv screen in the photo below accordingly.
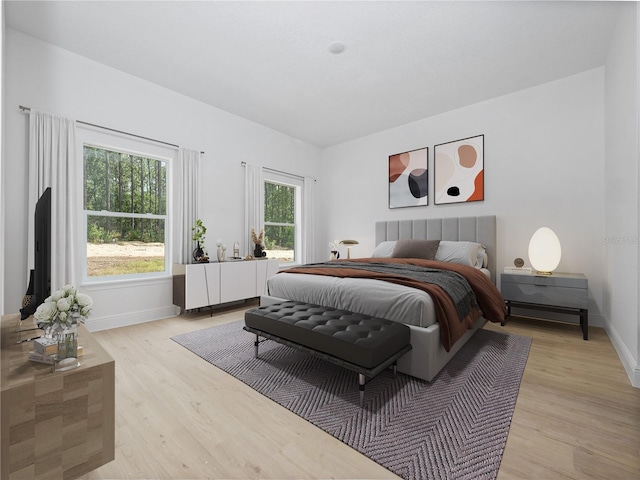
(42, 254)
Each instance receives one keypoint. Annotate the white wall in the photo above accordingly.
(621, 186)
(48, 78)
(544, 165)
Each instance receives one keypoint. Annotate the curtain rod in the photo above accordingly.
(280, 171)
(28, 109)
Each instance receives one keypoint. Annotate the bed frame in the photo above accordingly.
(428, 356)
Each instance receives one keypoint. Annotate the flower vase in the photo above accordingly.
(68, 342)
(198, 253)
(220, 253)
(334, 255)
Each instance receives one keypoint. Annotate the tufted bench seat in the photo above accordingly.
(364, 344)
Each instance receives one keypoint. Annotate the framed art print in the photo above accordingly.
(408, 179)
(459, 171)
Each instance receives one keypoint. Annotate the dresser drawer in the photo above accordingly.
(545, 294)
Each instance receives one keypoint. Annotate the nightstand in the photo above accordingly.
(559, 292)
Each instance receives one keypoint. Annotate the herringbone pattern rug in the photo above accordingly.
(455, 427)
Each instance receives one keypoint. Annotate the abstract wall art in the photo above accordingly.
(408, 179)
(459, 171)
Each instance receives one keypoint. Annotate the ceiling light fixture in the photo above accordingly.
(337, 47)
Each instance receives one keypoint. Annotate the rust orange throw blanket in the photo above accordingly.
(490, 303)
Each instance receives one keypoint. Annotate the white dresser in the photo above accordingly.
(206, 284)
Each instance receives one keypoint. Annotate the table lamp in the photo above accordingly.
(349, 244)
(544, 251)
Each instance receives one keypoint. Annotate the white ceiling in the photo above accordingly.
(269, 61)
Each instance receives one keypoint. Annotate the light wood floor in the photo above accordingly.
(178, 417)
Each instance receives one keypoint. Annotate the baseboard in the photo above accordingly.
(131, 318)
(628, 361)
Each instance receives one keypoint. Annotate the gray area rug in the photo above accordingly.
(455, 427)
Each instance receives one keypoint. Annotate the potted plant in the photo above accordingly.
(200, 253)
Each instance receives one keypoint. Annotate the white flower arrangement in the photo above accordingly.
(333, 246)
(64, 308)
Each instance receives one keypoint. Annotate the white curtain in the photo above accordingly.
(253, 202)
(186, 211)
(53, 163)
(308, 219)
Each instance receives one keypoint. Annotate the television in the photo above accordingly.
(42, 255)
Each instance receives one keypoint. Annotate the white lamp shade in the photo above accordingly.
(544, 250)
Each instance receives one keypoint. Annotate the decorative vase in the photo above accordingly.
(68, 342)
(26, 300)
(220, 253)
(198, 253)
(257, 251)
(334, 255)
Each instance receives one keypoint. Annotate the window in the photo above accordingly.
(125, 208)
(282, 218)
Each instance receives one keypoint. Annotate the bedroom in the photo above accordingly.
(554, 130)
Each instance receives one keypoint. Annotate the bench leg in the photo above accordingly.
(256, 343)
(361, 381)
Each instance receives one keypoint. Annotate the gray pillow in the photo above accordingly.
(425, 249)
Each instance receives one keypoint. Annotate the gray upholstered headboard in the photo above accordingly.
(470, 229)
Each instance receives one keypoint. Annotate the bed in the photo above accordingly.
(405, 304)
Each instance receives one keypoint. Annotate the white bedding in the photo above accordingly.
(360, 295)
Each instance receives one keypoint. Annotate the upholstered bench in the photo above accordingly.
(364, 344)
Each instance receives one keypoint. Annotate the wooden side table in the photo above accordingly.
(559, 292)
(55, 424)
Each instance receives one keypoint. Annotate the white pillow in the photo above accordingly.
(384, 249)
(484, 261)
(466, 253)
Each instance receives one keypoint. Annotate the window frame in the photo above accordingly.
(116, 142)
(298, 184)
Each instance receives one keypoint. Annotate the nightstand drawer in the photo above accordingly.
(544, 294)
(571, 280)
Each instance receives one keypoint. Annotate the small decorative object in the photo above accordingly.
(199, 254)
(518, 268)
(459, 171)
(333, 248)
(544, 251)
(26, 300)
(236, 250)
(408, 179)
(60, 315)
(349, 244)
(258, 241)
(221, 249)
